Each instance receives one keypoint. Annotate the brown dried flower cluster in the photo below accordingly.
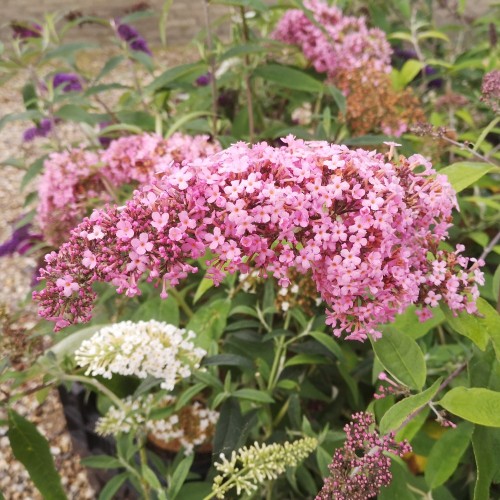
(373, 105)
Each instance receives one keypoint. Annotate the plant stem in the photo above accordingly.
(181, 302)
(248, 85)
(95, 383)
(211, 63)
(446, 382)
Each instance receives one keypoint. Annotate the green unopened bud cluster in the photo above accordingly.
(251, 466)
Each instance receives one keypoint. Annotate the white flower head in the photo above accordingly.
(145, 348)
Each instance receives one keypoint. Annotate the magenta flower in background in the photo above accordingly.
(20, 241)
(69, 82)
(41, 130)
(135, 41)
(204, 80)
(24, 31)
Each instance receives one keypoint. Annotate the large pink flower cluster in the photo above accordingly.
(362, 225)
(75, 181)
(335, 42)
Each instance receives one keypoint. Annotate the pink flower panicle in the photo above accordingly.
(361, 468)
(347, 45)
(490, 90)
(360, 224)
(75, 181)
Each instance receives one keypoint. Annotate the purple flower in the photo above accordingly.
(21, 241)
(405, 54)
(140, 45)
(204, 80)
(135, 41)
(104, 140)
(127, 32)
(68, 81)
(24, 31)
(41, 130)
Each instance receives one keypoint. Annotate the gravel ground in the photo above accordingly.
(18, 315)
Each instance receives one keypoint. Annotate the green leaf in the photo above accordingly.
(308, 359)
(209, 322)
(477, 405)
(32, 450)
(398, 487)
(409, 323)
(68, 345)
(327, 341)
(339, 98)
(172, 75)
(432, 34)
(409, 71)
(25, 115)
(101, 462)
(35, 168)
(229, 428)
(109, 66)
(74, 113)
(465, 173)
(188, 394)
(289, 78)
(395, 416)
(324, 459)
(159, 309)
(242, 50)
(112, 486)
(150, 477)
(368, 140)
(474, 327)
(68, 50)
(179, 476)
(485, 443)
(253, 395)
(229, 360)
(401, 357)
(204, 285)
(446, 453)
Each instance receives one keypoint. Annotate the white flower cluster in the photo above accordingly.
(191, 426)
(141, 349)
(251, 466)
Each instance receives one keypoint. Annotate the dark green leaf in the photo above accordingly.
(228, 360)
(179, 476)
(329, 343)
(253, 395)
(32, 450)
(101, 462)
(109, 66)
(173, 74)
(308, 359)
(188, 394)
(112, 486)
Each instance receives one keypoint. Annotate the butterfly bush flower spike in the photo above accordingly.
(146, 348)
(251, 466)
(361, 467)
(360, 225)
